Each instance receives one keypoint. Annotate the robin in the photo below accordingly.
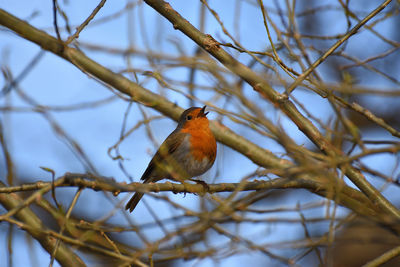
(189, 151)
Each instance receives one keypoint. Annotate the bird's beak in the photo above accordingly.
(202, 113)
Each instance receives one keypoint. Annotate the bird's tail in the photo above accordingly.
(132, 203)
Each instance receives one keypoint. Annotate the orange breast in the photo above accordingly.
(203, 144)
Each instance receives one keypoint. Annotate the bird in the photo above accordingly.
(189, 151)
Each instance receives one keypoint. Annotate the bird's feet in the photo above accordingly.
(204, 184)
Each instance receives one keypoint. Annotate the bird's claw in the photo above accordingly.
(204, 184)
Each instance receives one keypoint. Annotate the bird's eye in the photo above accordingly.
(189, 117)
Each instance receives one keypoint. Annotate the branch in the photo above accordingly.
(342, 194)
(353, 31)
(345, 195)
(282, 101)
(64, 255)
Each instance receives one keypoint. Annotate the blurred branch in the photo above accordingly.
(282, 101)
(64, 255)
(283, 206)
(8, 160)
(384, 258)
(353, 31)
(14, 81)
(258, 155)
(72, 241)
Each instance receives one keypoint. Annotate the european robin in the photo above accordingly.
(189, 151)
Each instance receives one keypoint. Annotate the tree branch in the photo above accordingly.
(260, 156)
(282, 101)
(345, 196)
(64, 255)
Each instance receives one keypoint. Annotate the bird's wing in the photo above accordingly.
(168, 147)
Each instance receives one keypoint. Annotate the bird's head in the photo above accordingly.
(193, 117)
